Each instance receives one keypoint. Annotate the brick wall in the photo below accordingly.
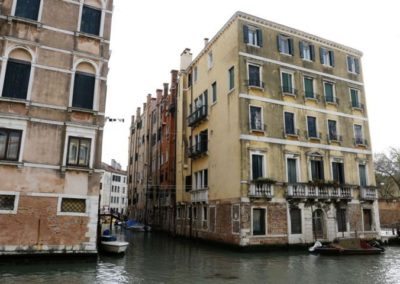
(389, 211)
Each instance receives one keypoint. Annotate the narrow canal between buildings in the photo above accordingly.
(158, 258)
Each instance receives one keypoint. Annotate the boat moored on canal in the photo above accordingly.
(110, 244)
(347, 246)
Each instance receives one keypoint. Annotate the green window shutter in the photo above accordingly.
(349, 61)
(259, 37)
(245, 34)
(357, 65)
(332, 57)
(309, 88)
(312, 52)
(278, 39)
(301, 46)
(291, 46)
(322, 52)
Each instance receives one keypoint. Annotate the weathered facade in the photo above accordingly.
(53, 73)
(151, 170)
(273, 139)
(113, 189)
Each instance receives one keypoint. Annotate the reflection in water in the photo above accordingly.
(155, 258)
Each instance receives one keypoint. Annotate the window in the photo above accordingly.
(252, 36)
(188, 183)
(367, 216)
(254, 75)
(307, 51)
(285, 45)
(295, 220)
(231, 78)
(210, 61)
(28, 9)
(287, 83)
(341, 219)
(358, 135)
(214, 91)
(83, 90)
(200, 179)
(355, 99)
(73, 205)
(257, 166)
(256, 118)
(312, 127)
(329, 91)
(90, 21)
(16, 80)
(8, 203)
(362, 172)
(292, 170)
(258, 221)
(10, 144)
(205, 211)
(195, 74)
(327, 57)
(353, 65)
(289, 123)
(78, 152)
(317, 169)
(309, 88)
(338, 172)
(332, 130)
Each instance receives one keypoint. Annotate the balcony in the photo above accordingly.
(291, 132)
(334, 138)
(288, 91)
(313, 136)
(256, 126)
(359, 141)
(307, 191)
(198, 150)
(255, 83)
(197, 116)
(357, 106)
(258, 190)
(199, 195)
(331, 100)
(311, 96)
(369, 193)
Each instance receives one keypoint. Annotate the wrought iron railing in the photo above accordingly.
(197, 115)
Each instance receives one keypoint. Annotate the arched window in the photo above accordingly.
(18, 70)
(84, 86)
(28, 9)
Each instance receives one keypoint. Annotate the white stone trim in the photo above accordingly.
(299, 106)
(16, 202)
(12, 123)
(302, 144)
(42, 166)
(36, 104)
(81, 132)
(287, 65)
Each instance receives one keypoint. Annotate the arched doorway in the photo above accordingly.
(318, 224)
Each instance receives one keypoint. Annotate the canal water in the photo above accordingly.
(158, 258)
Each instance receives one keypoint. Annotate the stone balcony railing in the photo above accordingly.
(199, 195)
(369, 193)
(265, 190)
(307, 191)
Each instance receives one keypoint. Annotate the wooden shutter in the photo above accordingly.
(83, 90)
(357, 65)
(245, 34)
(16, 80)
(332, 57)
(278, 39)
(312, 52)
(291, 46)
(28, 9)
(322, 52)
(301, 46)
(259, 37)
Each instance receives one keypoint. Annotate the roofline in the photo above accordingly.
(275, 26)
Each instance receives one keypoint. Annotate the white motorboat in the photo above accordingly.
(114, 246)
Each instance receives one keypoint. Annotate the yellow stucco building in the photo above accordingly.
(273, 142)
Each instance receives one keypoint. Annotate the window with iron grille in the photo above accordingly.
(73, 205)
(10, 144)
(90, 21)
(295, 220)
(7, 202)
(28, 9)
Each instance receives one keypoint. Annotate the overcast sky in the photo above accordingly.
(148, 37)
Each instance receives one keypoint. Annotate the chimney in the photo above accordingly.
(205, 41)
(159, 95)
(186, 59)
(174, 80)
(165, 90)
(138, 112)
